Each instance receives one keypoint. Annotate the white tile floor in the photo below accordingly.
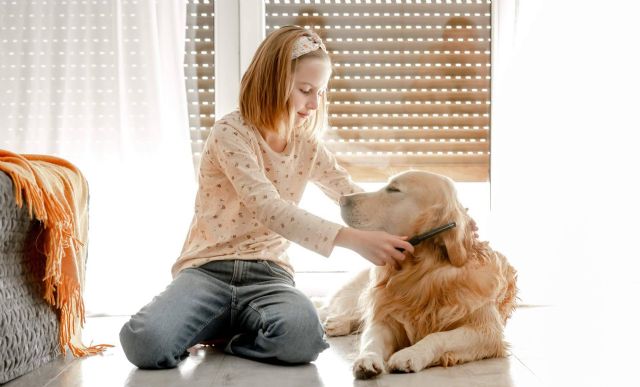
(549, 347)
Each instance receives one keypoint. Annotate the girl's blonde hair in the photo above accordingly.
(267, 84)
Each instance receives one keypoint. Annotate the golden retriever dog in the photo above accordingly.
(449, 301)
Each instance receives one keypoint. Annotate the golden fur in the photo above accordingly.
(450, 300)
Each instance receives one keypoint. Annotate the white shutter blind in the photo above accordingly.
(199, 72)
(411, 82)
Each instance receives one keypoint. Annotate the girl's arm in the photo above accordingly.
(329, 176)
(232, 151)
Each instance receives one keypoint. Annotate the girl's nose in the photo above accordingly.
(312, 103)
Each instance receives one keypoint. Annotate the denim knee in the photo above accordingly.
(148, 348)
(299, 337)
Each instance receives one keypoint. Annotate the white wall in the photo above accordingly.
(564, 148)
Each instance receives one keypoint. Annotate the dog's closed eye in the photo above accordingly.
(392, 189)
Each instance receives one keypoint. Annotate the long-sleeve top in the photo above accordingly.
(246, 206)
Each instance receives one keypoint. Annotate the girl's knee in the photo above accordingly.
(300, 337)
(147, 347)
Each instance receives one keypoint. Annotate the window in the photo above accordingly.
(411, 82)
(199, 72)
(410, 88)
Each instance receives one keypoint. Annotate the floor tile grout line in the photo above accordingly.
(63, 370)
(527, 367)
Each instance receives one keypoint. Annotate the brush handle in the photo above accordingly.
(429, 234)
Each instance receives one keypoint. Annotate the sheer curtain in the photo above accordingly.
(101, 84)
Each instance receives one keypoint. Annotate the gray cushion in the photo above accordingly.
(28, 325)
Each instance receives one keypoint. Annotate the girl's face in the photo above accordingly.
(309, 85)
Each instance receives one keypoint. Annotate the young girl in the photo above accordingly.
(233, 278)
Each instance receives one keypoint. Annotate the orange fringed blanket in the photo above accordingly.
(56, 194)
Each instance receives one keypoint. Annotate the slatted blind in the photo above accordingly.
(199, 72)
(411, 82)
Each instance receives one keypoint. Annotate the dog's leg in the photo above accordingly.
(447, 348)
(376, 345)
(342, 315)
(342, 325)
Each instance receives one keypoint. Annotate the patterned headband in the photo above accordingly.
(306, 44)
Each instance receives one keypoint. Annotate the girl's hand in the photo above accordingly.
(378, 247)
(474, 229)
(474, 226)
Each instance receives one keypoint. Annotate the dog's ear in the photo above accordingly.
(459, 240)
(456, 250)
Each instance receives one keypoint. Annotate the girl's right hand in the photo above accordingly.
(378, 247)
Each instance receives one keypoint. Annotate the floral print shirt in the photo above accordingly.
(247, 202)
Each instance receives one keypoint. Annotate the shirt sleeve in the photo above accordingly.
(329, 176)
(239, 163)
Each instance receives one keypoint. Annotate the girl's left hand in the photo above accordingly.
(474, 227)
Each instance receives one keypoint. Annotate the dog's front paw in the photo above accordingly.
(368, 365)
(407, 360)
(336, 326)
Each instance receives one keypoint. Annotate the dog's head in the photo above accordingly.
(413, 203)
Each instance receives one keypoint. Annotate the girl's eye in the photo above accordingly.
(305, 91)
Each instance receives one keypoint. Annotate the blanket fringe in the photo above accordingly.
(72, 317)
(62, 291)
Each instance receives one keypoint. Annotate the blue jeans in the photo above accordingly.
(253, 302)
